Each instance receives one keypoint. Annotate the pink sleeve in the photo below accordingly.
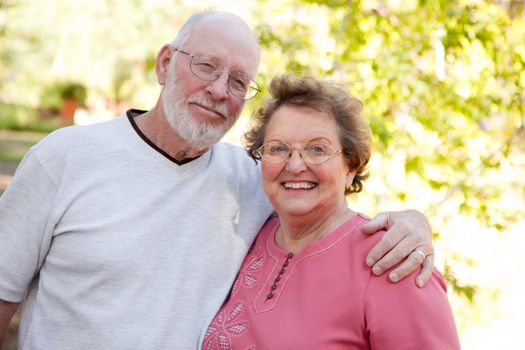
(402, 316)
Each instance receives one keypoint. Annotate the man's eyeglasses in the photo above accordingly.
(312, 152)
(210, 69)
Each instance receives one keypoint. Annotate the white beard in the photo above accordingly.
(198, 135)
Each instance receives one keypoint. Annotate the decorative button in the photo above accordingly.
(278, 278)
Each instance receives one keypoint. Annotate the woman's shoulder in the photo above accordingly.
(367, 240)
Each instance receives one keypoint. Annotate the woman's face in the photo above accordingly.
(295, 187)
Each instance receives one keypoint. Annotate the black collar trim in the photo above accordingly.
(131, 114)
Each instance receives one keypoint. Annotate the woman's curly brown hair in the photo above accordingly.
(323, 96)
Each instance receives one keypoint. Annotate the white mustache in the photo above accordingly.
(211, 104)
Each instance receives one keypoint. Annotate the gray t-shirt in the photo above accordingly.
(112, 245)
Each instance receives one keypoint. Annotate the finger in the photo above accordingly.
(411, 263)
(390, 239)
(380, 250)
(418, 257)
(395, 255)
(426, 272)
(381, 221)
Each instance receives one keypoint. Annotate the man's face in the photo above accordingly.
(195, 130)
(200, 111)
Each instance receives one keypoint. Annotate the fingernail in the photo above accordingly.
(394, 277)
(370, 262)
(377, 270)
(419, 282)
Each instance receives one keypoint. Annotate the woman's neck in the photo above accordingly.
(295, 234)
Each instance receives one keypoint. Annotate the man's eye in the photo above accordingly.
(238, 84)
(205, 66)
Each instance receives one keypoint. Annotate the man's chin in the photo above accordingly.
(198, 132)
(204, 138)
(201, 145)
(211, 122)
(212, 127)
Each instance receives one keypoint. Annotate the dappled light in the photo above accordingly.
(442, 83)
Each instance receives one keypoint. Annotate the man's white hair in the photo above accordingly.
(186, 30)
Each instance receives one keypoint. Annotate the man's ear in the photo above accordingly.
(162, 63)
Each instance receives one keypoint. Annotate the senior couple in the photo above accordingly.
(131, 234)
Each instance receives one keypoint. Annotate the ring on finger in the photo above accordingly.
(420, 253)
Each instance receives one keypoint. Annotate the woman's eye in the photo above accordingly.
(317, 149)
(279, 149)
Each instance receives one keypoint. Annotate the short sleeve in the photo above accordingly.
(25, 235)
(402, 316)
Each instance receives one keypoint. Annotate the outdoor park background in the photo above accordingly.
(442, 83)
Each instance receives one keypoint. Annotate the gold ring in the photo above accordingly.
(418, 251)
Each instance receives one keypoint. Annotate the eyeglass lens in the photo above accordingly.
(209, 69)
(313, 153)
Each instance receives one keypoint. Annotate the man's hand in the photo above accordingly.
(408, 236)
(7, 310)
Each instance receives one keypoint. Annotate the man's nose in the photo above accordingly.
(218, 88)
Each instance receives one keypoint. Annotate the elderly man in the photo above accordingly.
(128, 234)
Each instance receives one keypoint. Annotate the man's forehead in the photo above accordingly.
(227, 41)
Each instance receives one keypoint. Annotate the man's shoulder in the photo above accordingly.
(229, 147)
(232, 154)
(78, 134)
(233, 162)
(77, 143)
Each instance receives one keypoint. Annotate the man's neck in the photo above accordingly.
(154, 125)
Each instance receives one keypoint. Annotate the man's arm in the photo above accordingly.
(408, 236)
(7, 310)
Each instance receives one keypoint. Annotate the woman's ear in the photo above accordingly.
(349, 179)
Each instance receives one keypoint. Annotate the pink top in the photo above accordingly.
(327, 298)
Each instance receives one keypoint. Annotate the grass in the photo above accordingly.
(26, 118)
(20, 128)
(14, 145)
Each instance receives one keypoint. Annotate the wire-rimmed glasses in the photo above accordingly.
(210, 69)
(276, 152)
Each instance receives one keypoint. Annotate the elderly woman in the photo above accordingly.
(304, 284)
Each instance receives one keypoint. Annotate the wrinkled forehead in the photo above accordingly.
(228, 40)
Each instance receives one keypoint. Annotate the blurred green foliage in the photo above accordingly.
(25, 118)
(54, 95)
(443, 84)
